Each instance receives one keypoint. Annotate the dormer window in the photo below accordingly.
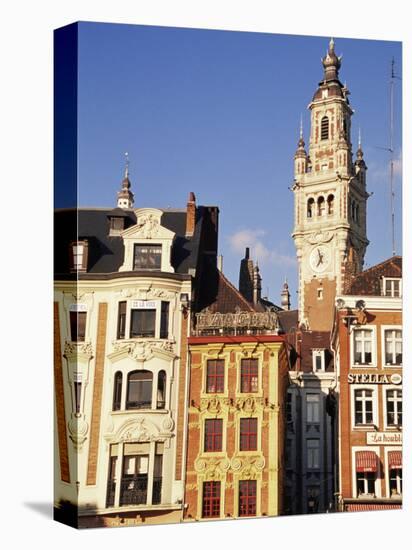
(78, 256)
(116, 226)
(318, 360)
(147, 256)
(392, 287)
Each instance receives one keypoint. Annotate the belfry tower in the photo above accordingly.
(330, 200)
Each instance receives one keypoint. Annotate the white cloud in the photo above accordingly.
(253, 238)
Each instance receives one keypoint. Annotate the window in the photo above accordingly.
(143, 323)
(330, 204)
(318, 359)
(393, 347)
(157, 476)
(78, 325)
(248, 434)
(365, 483)
(77, 396)
(111, 481)
(211, 499)
(247, 498)
(213, 435)
(78, 257)
(164, 320)
(139, 390)
(394, 408)
(311, 208)
(321, 206)
(313, 453)
(395, 481)
(135, 473)
(215, 381)
(363, 346)
(324, 128)
(312, 408)
(249, 376)
(147, 256)
(121, 321)
(161, 390)
(117, 391)
(313, 494)
(320, 296)
(363, 407)
(392, 287)
(116, 226)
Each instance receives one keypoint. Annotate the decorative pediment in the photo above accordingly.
(143, 350)
(142, 430)
(319, 237)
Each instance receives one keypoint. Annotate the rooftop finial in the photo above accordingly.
(126, 171)
(359, 139)
(301, 127)
(331, 45)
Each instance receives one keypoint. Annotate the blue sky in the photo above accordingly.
(217, 113)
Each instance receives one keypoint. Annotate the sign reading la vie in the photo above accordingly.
(374, 378)
(383, 438)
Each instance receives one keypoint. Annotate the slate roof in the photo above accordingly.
(106, 253)
(368, 282)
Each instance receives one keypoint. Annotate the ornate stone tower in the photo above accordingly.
(330, 200)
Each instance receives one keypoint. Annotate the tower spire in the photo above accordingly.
(125, 197)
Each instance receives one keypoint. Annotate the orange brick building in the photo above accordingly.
(238, 382)
(367, 340)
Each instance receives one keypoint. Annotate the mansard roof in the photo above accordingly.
(106, 253)
(368, 282)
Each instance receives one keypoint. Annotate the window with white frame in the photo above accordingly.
(363, 407)
(393, 346)
(313, 453)
(365, 483)
(393, 408)
(318, 360)
(395, 481)
(312, 408)
(392, 287)
(363, 346)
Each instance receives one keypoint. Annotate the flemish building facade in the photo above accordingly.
(124, 282)
(367, 341)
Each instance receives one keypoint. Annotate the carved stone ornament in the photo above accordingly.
(215, 405)
(78, 348)
(78, 429)
(168, 424)
(147, 293)
(212, 467)
(319, 237)
(144, 350)
(250, 404)
(148, 226)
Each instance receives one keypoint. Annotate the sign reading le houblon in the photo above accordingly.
(374, 378)
(383, 438)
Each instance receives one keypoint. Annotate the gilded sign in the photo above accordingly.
(374, 378)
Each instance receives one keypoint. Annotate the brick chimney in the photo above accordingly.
(246, 277)
(191, 215)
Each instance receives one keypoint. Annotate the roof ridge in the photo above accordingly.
(237, 292)
(378, 265)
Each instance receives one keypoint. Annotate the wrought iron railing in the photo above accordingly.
(133, 490)
(111, 490)
(157, 490)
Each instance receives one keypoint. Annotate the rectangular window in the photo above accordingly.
(248, 434)
(394, 407)
(78, 325)
(363, 407)
(78, 260)
(318, 359)
(77, 396)
(313, 453)
(249, 376)
(134, 476)
(121, 321)
(393, 347)
(312, 408)
(211, 499)
(395, 481)
(215, 376)
(365, 483)
(111, 482)
(147, 256)
(363, 346)
(392, 287)
(164, 320)
(313, 494)
(213, 435)
(143, 323)
(247, 498)
(157, 479)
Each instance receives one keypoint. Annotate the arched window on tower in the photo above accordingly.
(321, 206)
(330, 204)
(161, 390)
(311, 208)
(324, 128)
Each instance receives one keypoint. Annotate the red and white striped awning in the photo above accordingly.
(366, 461)
(371, 507)
(395, 460)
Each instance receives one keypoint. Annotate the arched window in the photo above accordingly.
(139, 390)
(117, 391)
(161, 390)
(330, 204)
(311, 207)
(357, 213)
(324, 128)
(321, 206)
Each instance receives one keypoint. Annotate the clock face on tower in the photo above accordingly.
(319, 259)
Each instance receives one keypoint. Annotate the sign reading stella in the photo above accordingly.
(374, 378)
